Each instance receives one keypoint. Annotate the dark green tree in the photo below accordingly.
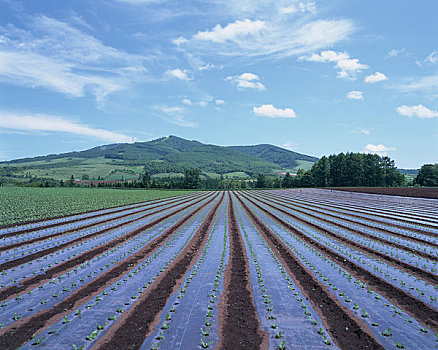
(427, 175)
(261, 181)
(192, 179)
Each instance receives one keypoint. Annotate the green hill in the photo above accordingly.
(165, 156)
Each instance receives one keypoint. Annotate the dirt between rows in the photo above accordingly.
(325, 206)
(334, 214)
(31, 282)
(53, 235)
(364, 208)
(414, 270)
(133, 327)
(422, 312)
(32, 229)
(22, 331)
(418, 192)
(345, 328)
(239, 326)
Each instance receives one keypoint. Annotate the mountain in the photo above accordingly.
(168, 155)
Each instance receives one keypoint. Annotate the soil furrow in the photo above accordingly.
(32, 229)
(318, 204)
(30, 283)
(359, 232)
(133, 327)
(53, 235)
(20, 332)
(239, 325)
(414, 270)
(335, 215)
(421, 311)
(346, 330)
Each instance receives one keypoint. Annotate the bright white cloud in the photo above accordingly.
(220, 102)
(273, 112)
(186, 101)
(62, 58)
(378, 149)
(221, 34)
(355, 95)
(208, 66)
(347, 67)
(375, 78)
(178, 74)
(274, 37)
(300, 7)
(247, 81)
(418, 111)
(432, 58)
(42, 122)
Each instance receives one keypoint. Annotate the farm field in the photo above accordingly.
(18, 204)
(272, 269)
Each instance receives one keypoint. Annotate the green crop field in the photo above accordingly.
(18, 204)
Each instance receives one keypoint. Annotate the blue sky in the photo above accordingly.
(316, 77)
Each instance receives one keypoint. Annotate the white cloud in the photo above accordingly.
(247, 81)
(57, 56)
(273, 36)
(355, 95)
(347, 67)
(378, 149)
(175, 116)
(300, 7)
(208, 66)
(273, 112)
(365, 131)
(432, 58)
(203, 103)
(220, 102)
(231, 31)
(42, 122)
(375, 78)
(178, 74)
(428, 83)
(395, 53)
(179, 41)
(186, 101)
(291, 146)
(418, 111)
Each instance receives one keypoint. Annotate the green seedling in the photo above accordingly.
(282, 345)
(168, 318)
(38, 341)
(160, 336)
(326, 340)
(205, 345)
(279, 335)
(53, 331)
(92, 335)
(387, 333)
(99, 327)
(205, 333)
(399, 345)
(165, 326)
(16, 316)
(64, 320)
(112, 318)
(365, 314)
(77, 348)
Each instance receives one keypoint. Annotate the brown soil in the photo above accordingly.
(20, 332)
(326, 206)
(239, 326)
(418, 192)
(421, 311)
(337, 319)
(42, 238)
(334, 214)
(414, 270)
(133, 327)
(32, 282)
